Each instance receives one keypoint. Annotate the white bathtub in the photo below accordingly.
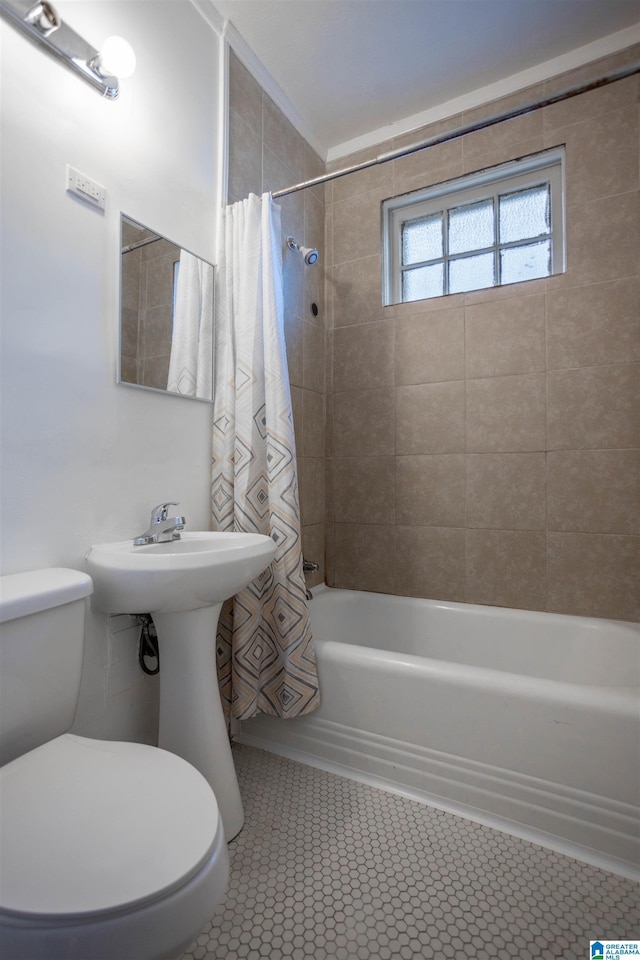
(526, 721)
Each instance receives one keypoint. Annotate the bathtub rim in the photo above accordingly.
(485, 612)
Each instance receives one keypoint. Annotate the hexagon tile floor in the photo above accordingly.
(329, 867)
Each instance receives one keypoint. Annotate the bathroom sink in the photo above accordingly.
(183, 584)
(200, 569)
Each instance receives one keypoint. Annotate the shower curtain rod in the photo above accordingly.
(140, 243)
(401, 152)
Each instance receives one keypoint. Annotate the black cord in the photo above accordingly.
(148, 646)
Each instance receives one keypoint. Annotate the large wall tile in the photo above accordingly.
(364, 490)
(329, 427)
(430, 418)
(155, 372)
(594, 491)
(590, 147)
(245, 95)
(594, 575)
(437, 175)
(356, 291)
(427, 163)
(506, 414)
(594, 407)
(364, 423)
(129, 332)
(502, 137)
(430, 347)
(281, 137)
(293, 283)
(530, 387)
(356, 226)
(292, 221)
(506, 491)
(245, 172)
(505, 337)
(156, 325)
(363, 356)
(623, 93)
(506, 568)
(313, 357)
(364, 557)
(602, 239)
(330, 554)
(510, 291)
(313, 423)
(313, 236)
(329, 470)
(416, 308)
(430, 562)
(311, 487)
(294, 340)
(297, 411)
(595, 324)
(375, 178)
(276, 172)
(313, 549)
(430, 490)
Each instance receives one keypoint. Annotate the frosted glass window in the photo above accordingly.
(422, 240)
(525, 214)
(527, 262)
(471, 227)
(500, 225)
(423, 282)
(471, 273)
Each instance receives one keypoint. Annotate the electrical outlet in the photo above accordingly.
(82, 186)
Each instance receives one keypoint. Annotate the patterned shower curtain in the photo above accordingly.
(266, 662)
(190, 366)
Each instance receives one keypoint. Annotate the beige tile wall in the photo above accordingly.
(147, 312)
(483, 447)
(267, 153)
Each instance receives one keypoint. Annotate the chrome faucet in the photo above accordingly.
(162, 528)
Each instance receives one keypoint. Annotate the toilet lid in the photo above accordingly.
(91, 825)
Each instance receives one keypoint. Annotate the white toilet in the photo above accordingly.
(109, 851)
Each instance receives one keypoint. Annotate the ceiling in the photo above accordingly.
(352, 67)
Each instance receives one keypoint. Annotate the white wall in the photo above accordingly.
(83, 459)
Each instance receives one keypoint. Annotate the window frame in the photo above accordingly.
(546, 166)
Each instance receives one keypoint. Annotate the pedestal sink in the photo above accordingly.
(183, 584)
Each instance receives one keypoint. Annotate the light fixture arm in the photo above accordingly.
(42, 24)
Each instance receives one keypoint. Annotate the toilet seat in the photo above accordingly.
(92, 828)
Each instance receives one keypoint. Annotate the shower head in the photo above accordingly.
(310, 254)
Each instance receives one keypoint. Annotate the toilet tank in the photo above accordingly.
(42, 615)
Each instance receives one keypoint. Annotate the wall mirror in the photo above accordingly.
(166, 315)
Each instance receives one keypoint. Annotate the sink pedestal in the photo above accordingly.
(192, 723)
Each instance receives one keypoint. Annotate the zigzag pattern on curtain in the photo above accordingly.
(266, 662)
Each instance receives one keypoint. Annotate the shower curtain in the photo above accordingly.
(266, 662)
(190, 363)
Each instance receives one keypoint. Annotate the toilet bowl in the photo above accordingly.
(110, 851)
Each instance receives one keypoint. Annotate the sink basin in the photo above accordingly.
(200, 569)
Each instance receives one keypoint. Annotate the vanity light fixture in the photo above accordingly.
(42, 24)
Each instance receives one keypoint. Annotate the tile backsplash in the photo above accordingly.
(480, 447)
(483, 447)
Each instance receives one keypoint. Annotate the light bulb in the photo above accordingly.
(117, 58)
